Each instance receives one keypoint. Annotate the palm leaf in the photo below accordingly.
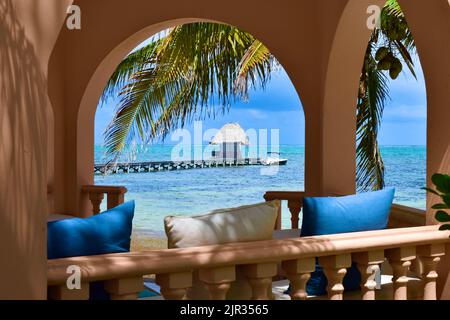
(373, 93)
(255, 64)
(134, 62)
(187, 70)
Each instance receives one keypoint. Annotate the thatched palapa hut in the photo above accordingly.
(230, 138)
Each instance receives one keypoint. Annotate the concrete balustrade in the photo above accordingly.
(122, 272)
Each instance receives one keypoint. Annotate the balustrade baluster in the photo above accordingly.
(400, 260)
(124, 289)
(174, 285)
(368, 265)
(218, 281)
(96, 200)
(430, 255)
(115, 199)
(62, 292)
(298, 272)
(335, 268)
(260, 278)
(295, 207)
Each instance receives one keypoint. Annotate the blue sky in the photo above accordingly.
(279, 107)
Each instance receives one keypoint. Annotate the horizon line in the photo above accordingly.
(281, 144)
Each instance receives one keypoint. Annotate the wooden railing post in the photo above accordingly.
(298, 272)
(400, 260)
(335, 268)
(124, 289)
(218, 281)
(174, 285)
(368, 265)
(430, 255)
(260, 278)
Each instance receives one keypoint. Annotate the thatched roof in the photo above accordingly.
(230, 133)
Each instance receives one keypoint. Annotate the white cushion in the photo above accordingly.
(245, 223)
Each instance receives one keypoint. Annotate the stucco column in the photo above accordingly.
(430, 24)
(340, 90)
(28, 32)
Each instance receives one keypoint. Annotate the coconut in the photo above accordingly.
(381, 53)
(386, 62)
(395, 69)
(384, 65)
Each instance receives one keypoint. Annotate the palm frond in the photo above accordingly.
(179, 78)
(394, 35)
(255, 64)
(373, 93)
(134, 62)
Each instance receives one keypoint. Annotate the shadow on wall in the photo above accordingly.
(23, 103)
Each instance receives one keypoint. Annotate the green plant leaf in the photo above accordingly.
(446, 199)
(442, 216)
(444, 227)
(442, 182)
(439, 206)
(431, 191)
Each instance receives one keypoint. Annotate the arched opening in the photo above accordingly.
(391, 112)
(272, 120)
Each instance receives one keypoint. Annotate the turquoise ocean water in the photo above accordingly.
(196, 191)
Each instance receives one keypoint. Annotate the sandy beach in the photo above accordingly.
(141, 241)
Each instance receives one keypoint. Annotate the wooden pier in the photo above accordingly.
(155, 166)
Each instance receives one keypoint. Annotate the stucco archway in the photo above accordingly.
(89, 102)
(303, 53)
(322, 29)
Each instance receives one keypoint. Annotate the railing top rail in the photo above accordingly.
(104, 189)
(132, 264)
(284, 195)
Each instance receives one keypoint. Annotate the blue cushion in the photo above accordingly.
(361, 212)
(106, 232)
(329, 215)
